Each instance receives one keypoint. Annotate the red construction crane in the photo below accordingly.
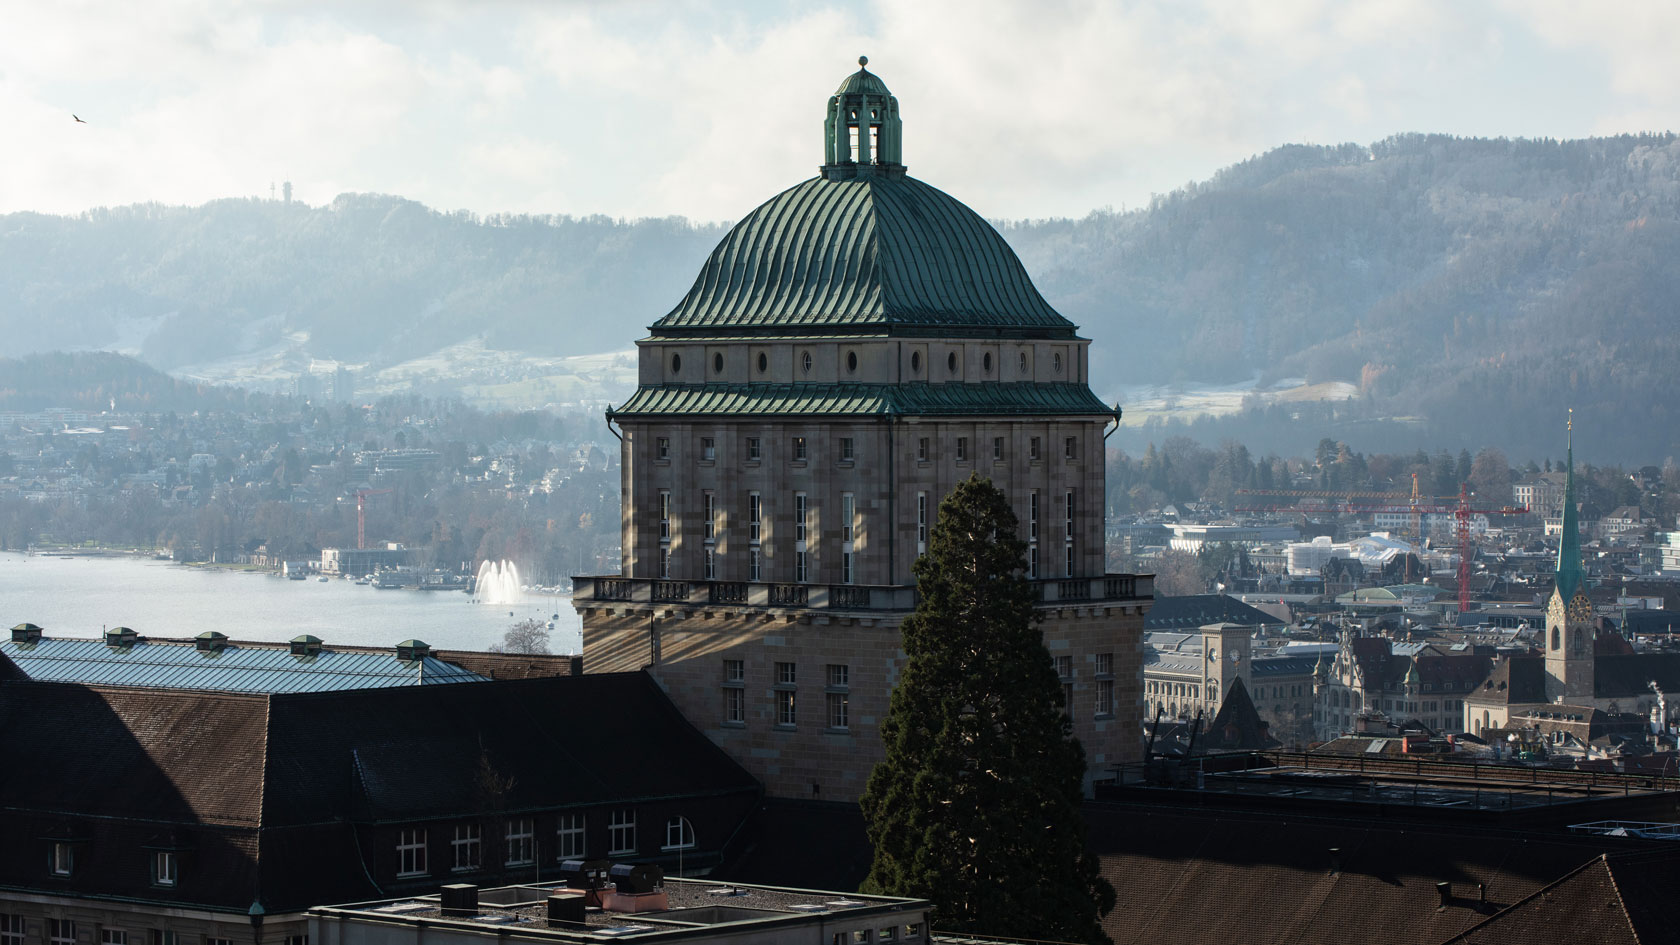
(1461, 512)
(361, 514)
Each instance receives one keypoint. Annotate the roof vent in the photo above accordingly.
(120, 638)
(566, 908)
(411, 650)
(585, 874)
(306, 645)
(635, 879)
(210, 641)
(26, 633)
(460, 899)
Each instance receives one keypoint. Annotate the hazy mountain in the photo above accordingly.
(1466, 288)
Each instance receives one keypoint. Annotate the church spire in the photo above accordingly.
(1569, 572)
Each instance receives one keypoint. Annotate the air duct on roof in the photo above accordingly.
(460, 899)
(306, 645)
(410, 650)
(120, 638)
(211, 641)
(26, 633)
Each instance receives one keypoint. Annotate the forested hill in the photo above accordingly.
(368, 278)
(1474, 284)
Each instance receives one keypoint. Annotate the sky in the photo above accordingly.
(1050, 108)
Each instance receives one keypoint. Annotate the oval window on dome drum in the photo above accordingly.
(1023, 362)
(1056, 362)
(986, 363)
(805, 362)
(915, 362)
(763, 362)
(676, 364)
(717, 363)
(951, 362)
(851, 362)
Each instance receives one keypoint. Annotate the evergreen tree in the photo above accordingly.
(977, 805)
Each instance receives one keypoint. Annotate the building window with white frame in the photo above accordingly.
(848, 532)
(1105, 684)
(662, 448)
(664, 515)
(921, 522)
(164, 868)
(755, 517)
(922, 448)
(962, 449)
(568, 837)
(1070, 448)
(621, 832)
(11, 928)
(61, 858)
(110, 936)
(679, 834)
(710, 558)
(664, 562)
(801, 529)
(997, 449)
(61, 931)
(466, 847)
(1068, 568)
(755, 564)
(799, 454)
(411, 851)
(787, 681)
(801, 509)
(708, 449)
(755, 449)
(1033, 450)
(734, 692)
(848, 449)
(1064, 670)
(708, 514)
(838, 696)
(521, 842)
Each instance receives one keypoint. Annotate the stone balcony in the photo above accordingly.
(1052, 592)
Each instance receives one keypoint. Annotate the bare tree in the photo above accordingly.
(526, 636)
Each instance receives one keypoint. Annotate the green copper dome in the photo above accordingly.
(862, 82)
(870, 255)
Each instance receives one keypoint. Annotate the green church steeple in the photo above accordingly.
(1569, 572)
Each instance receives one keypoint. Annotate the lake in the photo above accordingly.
(80, 596)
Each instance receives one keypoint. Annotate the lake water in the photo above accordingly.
(78, 597)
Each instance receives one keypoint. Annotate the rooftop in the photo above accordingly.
(225, 666)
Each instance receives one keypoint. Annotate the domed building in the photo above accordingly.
(851, 350)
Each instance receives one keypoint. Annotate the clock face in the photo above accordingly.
(1580, 610)
(1213, 654)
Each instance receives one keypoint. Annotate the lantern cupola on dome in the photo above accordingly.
(862, 133)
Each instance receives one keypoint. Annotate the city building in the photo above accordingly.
(1186, 675)
(850, 351)
(208, 793)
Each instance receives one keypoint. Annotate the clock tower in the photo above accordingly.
(1569, 616)
(1227, 651)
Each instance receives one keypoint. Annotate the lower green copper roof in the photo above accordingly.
(917, 400)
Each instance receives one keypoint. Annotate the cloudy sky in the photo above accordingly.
(1047, 108)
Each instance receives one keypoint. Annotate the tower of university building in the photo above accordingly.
(850, 351)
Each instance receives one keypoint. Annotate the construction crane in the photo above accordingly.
(1417, 502)
(1461, 511)
(361, 514)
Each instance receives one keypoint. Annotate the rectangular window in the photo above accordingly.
(521, 842)
(288, 940)
(1032, 561)
(997, 449)
(11, 928)
(710, 557)
(169, 937)
(845, 567)
(962, 449)
(801, 509)
(1064, 667)
(921, 522)
(1105, 664)
(734, 671)
(708, 512)
(838, 709)
(787, 674)
(621, 832)
(784, 707)
(1032, 449)
(801, 567)
(568, 837)
(755, 516)
(217, 941)
(862, 936)
(467, 847)
(662, 447)
(665, 563)
(799, 449)
(922, 450)
(889, 934)
(411, 852)
(755, 565)
(1032, 515)
(755, 449)
(848, 513)
(163, 868)
(848, 451)
(1070, 448)
(734, 705)
(839, 675)
(62, 860)
(1105, 697)
(1068, 504)
(664, 515)
(106, 937)
(708, 449)
(61, 931)
(679, 834)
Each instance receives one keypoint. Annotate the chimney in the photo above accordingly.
(120, 638)
(26, 633)
(1481, 893)
(211, 642)
(460, 899)
(1444, 890)
(1335, 860)
(566, 908)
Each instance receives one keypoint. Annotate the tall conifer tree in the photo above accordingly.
(977, 805)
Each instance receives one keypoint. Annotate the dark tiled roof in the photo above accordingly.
(1269, 666)
(1516, 679)
(911, 400)
(1454, 673)
(1198, 610)
(1618, 677)
(873, 254)
(776, 847)
(1625, 899)
(1237, 727)
(235, 668)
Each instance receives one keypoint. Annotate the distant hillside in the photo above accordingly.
(95, 380)
(1471, 289)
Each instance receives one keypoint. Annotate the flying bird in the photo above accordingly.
(73, 115)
